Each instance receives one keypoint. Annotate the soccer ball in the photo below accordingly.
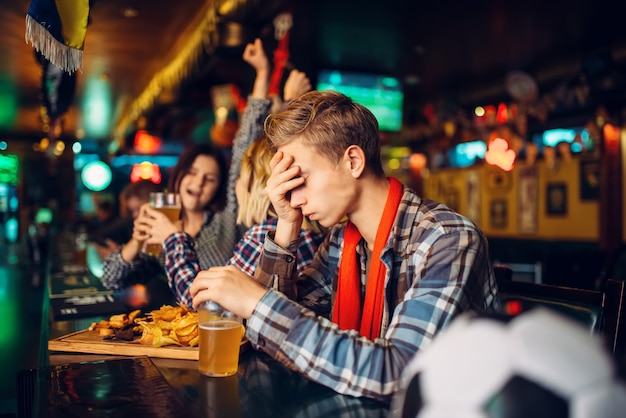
(539, 364)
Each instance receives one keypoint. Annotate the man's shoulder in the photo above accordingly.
(425, 213)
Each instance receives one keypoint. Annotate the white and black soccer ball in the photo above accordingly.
(539, 364)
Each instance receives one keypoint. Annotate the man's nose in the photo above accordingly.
(296, 198)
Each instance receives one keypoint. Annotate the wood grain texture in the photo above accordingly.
(91, 342)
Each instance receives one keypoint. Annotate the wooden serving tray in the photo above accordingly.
(91, 342)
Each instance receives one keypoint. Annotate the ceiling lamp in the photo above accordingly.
(130, 12)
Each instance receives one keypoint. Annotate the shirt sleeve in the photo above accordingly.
(118, 274)
(180, 257)
(277, 266)
(349, 363)
(248, 249)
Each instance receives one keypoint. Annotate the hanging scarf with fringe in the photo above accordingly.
(57, 29)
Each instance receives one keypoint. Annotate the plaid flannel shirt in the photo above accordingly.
(245, 257)
(438, 266)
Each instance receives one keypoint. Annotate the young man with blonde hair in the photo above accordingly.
(384, 282)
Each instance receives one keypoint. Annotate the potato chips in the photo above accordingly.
(169, 325)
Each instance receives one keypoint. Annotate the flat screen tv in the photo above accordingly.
(382, 95)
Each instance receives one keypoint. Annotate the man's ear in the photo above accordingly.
(354, 160)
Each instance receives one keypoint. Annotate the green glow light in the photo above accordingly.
(8, 310)
(43, 216)
(9, 168)
(96, 176)
(8, 102)
(97, 105)
(11, 229)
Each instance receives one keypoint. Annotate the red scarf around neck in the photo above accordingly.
(347, 310)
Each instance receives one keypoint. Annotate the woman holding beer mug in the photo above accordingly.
(208, 202)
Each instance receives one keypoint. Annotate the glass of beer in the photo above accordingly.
(169, 205)
(220, 340)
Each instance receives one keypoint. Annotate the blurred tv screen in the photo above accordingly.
(381, 94)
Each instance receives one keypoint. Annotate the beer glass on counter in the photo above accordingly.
(221, 333)
(168, 204)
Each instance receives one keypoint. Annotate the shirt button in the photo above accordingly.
(289, 259)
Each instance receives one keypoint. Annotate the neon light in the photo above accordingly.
(552, 137)
(500, 155)
(503, 113)
(9, 168)
(129, 160)
(43, 216)
(146, 171)
(466, 153)
(146, 143)
(96, 176)
(8, 102)
(417, 162)
(97, 108)
(9, 332)
(11, 229)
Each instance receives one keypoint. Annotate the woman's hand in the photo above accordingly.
(131, 249)
(254, 54)
(296, 85)
(159, 227)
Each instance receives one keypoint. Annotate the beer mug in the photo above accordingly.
(169, 205)
(221, 332)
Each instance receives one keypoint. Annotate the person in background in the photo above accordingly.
(108, 238)
(382, 284)
(208, 226)
(183, 259)
(255, 213)
(105, 213)
(199, 178)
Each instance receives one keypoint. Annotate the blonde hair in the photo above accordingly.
(255, 206)
(329, 122)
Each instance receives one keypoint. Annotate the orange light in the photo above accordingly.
(146, 171)
(611, 133)
(499, 154)
(417, 162)
(146, 143)
(137, 296)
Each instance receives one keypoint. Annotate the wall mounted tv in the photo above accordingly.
(382, 95)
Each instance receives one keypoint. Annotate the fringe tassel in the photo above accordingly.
(67, 58)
